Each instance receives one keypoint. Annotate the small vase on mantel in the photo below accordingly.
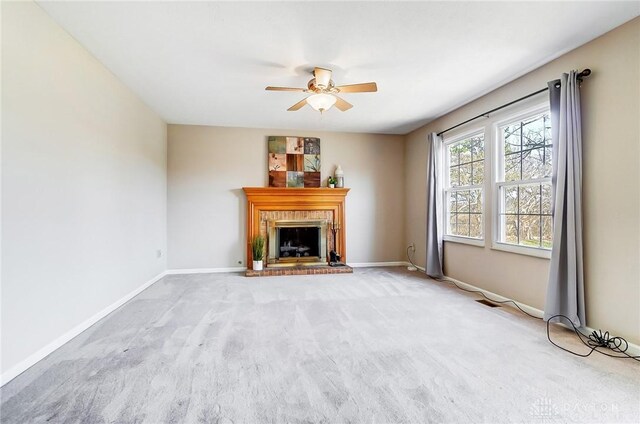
(339, 176)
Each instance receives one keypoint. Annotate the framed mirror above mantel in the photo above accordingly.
(326, 206)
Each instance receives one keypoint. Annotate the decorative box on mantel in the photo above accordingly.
(298, 224)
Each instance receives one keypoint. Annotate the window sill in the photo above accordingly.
(522, 250)
(465, 240)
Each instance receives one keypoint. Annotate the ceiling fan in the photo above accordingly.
(323, 92)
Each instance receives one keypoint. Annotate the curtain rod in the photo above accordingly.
(581, 75)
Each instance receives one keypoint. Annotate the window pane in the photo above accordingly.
(452, 202)
(512, 167)
(547, 161)
(466, 168)
(463, 225)
(454, 176)
(510, 199)
(546, 198)
(463, 201)
(458, 150)
(453, 219)
(475, 200)
(475, 226)
(477, 148)
(478, 173)
(530, 230)
(511, 229)
(453, 155)
(529, 199)
(465, 151)
(547, 128)
(547, 232)
(527, 206)
(465, 174)
(511, 135)
(533, 164)
(533, 133)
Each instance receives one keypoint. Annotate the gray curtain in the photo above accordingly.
(434, 208)
(565, 292)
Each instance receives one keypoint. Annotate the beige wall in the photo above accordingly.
(611, 185)
(208, 166)
(83, 186)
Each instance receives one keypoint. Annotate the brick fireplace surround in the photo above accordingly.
(272, 203)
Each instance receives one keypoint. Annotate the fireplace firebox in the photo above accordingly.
(296, 242)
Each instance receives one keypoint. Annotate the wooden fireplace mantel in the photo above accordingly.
(295, 199)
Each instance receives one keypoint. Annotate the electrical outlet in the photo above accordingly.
(239, 262)
(412, 246)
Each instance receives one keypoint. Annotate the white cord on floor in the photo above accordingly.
(413, 266)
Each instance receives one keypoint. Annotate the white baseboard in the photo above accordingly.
(373, 264)
(205, 270)
(27, 363)
(529, 309)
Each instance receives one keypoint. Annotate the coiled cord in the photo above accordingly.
(595, 341)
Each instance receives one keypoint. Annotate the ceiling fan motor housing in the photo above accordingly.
(311, 86)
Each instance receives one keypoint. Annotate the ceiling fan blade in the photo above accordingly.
(365, 87)
(284, 89)
(323, 76)
(298, 105)
(342, 104)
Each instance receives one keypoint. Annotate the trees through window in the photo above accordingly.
(464, 186)
(524, 182)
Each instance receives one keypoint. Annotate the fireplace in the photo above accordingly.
(296, 242)
(312, 211)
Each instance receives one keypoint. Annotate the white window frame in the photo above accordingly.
(497, 180)
(446, 142)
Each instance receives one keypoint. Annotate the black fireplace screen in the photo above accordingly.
(298, 242)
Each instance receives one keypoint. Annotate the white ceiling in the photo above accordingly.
(208, 62)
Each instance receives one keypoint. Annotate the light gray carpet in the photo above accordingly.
(377, 346)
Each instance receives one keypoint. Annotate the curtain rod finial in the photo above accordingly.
(585, 73)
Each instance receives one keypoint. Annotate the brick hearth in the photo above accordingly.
(300, 270)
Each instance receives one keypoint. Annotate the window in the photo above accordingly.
(523, 181)
(464, 182)
(504, 169)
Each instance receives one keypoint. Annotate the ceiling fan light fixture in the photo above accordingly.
(323, 92)
(321, 101)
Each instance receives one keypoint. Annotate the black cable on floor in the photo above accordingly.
(594, 341)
